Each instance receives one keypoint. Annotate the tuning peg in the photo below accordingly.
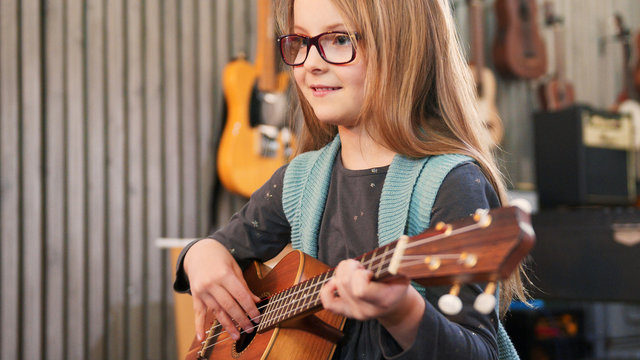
(485, 303)
(522, 204)
(450, 303)
(445, 228)
(433, 262)
(482, 217)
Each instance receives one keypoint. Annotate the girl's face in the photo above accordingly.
(335, 92)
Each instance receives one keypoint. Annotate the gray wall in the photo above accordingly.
(109, 117)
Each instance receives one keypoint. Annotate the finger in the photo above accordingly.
(228, 324)
(244, 284)
(361, 284)
(330, 297)
(239, 291)
(234, 310)
(200, 313)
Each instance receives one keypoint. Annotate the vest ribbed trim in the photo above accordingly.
(306, 195)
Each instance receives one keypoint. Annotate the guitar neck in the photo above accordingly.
(265, 54)
(477, 43)
(304, 298)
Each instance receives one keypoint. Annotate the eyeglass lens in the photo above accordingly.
(334, 48)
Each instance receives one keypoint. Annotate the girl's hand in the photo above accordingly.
(396, 305)
(218, 287)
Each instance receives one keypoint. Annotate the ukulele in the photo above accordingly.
(484, 78)
(557, 93)
(485, 247)
(248, 155)
(518, 50)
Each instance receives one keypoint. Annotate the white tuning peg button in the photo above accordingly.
(523, 204)
(485, 303)
(450, 304)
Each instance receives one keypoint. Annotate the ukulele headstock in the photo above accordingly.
(486, 247)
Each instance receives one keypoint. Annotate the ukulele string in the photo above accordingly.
(313, 293)
(366, 263)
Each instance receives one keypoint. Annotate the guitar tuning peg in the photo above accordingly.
(522, 204)
(450, 303)
(485, 303)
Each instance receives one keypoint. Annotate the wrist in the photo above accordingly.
(403, 322)
(194, 250)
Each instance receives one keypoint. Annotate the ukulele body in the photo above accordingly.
(519, 50)
(298, 338)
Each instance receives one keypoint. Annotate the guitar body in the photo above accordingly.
(487, 102)
(556, 95)
(243, 162)
(518, 50)
(294, 339)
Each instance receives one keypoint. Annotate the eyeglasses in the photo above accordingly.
(335, 47)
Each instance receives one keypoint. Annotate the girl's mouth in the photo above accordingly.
(323, 90)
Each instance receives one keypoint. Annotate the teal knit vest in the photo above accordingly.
(408, 194)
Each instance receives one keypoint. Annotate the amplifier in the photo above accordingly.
(584, 157)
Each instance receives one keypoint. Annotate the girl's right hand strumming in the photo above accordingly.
(218, 287)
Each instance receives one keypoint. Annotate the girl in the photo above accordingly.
(384, 90)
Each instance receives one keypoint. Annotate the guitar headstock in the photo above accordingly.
(486, 247)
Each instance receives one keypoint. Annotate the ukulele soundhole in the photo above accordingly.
(246, 338)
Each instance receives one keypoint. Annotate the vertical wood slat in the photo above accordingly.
(171, 142)
(55, 188)
(76, 256)
(155, 325)
(135, 187)
(117, 337)
(96, 184)
(206, 105)
(189, 116)
(9, 181)
(31, 233)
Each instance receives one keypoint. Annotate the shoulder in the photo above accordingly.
(463, 190)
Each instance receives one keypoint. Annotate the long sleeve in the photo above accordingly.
(258, 231)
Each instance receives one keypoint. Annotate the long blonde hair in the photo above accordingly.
(418, 88)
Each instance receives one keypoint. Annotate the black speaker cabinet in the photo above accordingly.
(584, 157)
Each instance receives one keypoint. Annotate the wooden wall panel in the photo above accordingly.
(118, 332)
(55, 190)
(31, 177)
(97, 192)
(110, 113)
(156, 282)
(10, 165)
(136, 212)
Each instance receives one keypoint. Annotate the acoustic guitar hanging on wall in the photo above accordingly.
(484, 78)
(518, 50)
(254, 141)
(557, 92)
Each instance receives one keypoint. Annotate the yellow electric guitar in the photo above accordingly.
(250, 151)
(484, 78)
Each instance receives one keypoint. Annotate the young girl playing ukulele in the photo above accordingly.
(388, 105)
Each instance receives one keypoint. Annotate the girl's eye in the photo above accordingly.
(342, 40)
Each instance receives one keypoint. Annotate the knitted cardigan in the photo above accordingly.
(408, 194)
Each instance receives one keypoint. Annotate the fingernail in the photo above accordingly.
(235, 336)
